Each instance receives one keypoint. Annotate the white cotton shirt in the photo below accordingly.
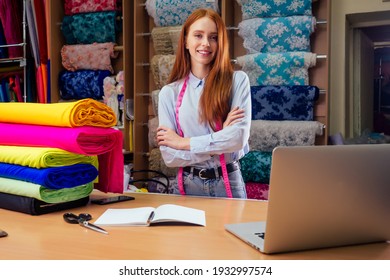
(204, 142)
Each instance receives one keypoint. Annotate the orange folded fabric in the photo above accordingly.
(85, 112)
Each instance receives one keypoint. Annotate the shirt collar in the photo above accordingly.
(196, 82)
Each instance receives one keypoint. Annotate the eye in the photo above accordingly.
(199, 36)
(214, 38)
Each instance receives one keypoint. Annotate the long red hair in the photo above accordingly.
(216, 96)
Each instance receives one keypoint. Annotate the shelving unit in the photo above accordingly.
(123, 62)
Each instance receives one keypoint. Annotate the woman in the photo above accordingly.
(205, 112)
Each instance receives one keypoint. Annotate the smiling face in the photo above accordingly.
(202, 44)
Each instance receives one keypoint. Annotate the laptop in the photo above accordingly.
(323, 196)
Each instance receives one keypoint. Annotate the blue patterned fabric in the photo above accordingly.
(294, 103)
(82, 84)
(256, 166)
(290, 68)
(88, 28)
(279, 34)
(175, 12)
(274, 8)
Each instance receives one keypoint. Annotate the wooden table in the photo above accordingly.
(49, 237)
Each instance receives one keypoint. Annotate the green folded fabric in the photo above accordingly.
(39, 192)
(38, 157)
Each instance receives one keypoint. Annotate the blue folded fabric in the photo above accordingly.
(53, 177)
(294, 103)
(82, 84)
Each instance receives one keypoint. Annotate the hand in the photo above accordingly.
(168, 137)
(234, 116)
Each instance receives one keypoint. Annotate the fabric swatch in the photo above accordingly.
(274, 8)
(266, 135)
(175, 12)
(290, 68)
(277, 34)
(294, 103)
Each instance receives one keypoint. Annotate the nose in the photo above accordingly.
(206, 41)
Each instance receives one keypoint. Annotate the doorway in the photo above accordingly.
(368, 60)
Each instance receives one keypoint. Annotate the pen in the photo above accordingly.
(151, 216)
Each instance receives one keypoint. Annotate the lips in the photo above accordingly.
(204, 52)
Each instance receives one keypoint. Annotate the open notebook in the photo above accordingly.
(323, 196)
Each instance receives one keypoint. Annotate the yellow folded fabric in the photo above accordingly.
(39, 192)
(38, 157)
(85, 112)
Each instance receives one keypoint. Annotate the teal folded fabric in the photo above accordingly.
(274, 8)
(275, 69)
(87, 28)
(51, 177)
(256, 167)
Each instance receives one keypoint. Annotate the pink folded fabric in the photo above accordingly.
(88, 6)
(106, 143)
(96, 56)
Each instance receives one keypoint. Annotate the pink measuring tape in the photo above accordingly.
(221, 157)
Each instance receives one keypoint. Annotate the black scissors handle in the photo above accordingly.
(75, 219)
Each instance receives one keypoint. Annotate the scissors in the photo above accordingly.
(82, 219)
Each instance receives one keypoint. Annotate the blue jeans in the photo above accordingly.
(193, 185)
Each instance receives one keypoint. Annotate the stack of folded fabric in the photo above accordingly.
(276, 36)
(90, 30)
(53, 155)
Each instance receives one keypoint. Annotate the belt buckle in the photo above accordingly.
(200, 174)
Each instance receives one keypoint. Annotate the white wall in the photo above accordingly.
(339, 10)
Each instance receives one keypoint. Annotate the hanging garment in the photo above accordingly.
(280, 34)
(40, 23)
(290, 68)
(294, 103)
(33, 33)
(88, 28)
(11, 19)
(175, 12)
(96, 56)
(3, 51)
(67, 114)
(274, 8)
(87, 6)
(267, 135)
